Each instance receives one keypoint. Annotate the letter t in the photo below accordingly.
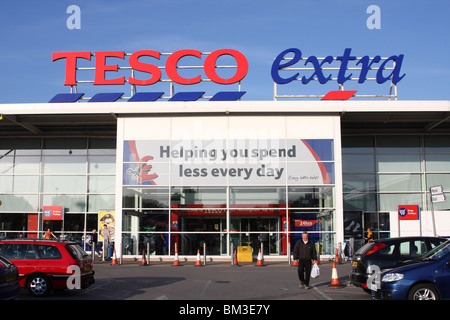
(71, 64)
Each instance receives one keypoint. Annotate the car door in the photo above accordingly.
(23, 256)
(411, 249)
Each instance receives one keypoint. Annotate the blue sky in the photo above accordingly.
(32, 30)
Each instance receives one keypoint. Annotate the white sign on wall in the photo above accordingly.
(221, 162)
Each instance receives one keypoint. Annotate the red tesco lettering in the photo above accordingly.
(171, 66)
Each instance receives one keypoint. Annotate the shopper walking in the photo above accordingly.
(305, 253)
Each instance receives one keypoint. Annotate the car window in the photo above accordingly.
(387, 251)
(17, 251)
(48, 252)
(75, 251)
(412, 248)
(364, 248)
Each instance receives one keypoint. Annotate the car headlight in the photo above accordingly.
(391, 277)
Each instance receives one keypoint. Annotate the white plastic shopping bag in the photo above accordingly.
(315, 271)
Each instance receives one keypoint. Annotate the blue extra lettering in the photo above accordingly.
(366, 64)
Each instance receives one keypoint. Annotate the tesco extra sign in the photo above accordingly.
(283, 61)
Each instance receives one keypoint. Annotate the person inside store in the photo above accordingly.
(305, 253)
(369, 237)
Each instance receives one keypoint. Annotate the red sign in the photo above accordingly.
(101, 67)
(53, 213)
(304, 223)
(408, 212)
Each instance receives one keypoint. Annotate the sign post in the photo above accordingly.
(436, 195)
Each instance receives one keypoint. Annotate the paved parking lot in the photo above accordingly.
(215, 281)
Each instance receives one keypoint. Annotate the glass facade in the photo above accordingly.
(379, 172)
(75, 173)
(218, 216)
(382, 172)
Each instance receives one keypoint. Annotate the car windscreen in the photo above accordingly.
(437, 252)
(364, 248)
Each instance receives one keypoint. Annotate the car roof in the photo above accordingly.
(410, 238)
(33, 240)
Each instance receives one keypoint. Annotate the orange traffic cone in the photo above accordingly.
(176, 262)
(114, 259)
(334, 278)
(336, 257)
(235, 262)
(143, 260)
(198, 263)
(260, 262)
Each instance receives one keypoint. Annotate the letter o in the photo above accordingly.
(210, 66)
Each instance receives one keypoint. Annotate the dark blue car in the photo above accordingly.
(9, 280)
(427, 278)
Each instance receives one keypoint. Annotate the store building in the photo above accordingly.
(222, 172)
(217, 173)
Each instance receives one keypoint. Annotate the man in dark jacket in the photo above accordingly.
(305, 253)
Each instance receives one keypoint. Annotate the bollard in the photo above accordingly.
(289, 253)
(121, 253)
(148, 253)
(204, 253)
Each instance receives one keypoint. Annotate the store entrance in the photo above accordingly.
(256, 230)
(200, 231)
(244, 231)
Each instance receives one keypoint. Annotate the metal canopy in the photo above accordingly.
(100, 119)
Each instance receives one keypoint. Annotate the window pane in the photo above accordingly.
(101, 202)
(26, 184)
(439, 180)
(64, 184)
(304, 197)
(437, 144)
(64, 164)
(358, 163)
(390, 202)
(198, 196)
(359, 182)
(74, 203)
(258, 196)
(19, 202)
(399, 182)
(27, 164)
(360, 201)
(102, 164)
(399, 163)
(142, 197)
(145, 221)
(102, 184)
(358, 144)
(437, 162)
(74, 222)
(398, 144)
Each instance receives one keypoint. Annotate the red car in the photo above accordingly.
(49, 264)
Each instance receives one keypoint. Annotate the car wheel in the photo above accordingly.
(39, 285)
(423, 291)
